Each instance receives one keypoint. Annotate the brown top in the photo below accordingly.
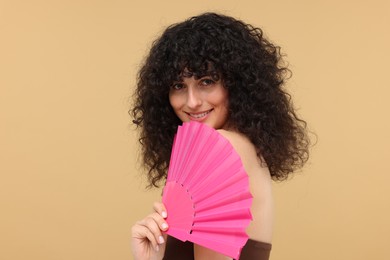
(178, 250)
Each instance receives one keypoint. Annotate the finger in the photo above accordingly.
(160, 209)
(160, 221)
(142, 232)
(155, 223)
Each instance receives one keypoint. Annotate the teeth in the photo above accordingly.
(200, 115)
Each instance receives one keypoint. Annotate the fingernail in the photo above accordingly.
(161, 239)
(164, 214)
(164, 226)
(157, 248)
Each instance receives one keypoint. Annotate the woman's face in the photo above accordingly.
(200, 99)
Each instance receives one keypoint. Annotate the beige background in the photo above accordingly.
(70, 185)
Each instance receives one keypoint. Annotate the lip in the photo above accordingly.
(199, 116)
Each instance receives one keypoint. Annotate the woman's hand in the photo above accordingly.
(147, 239)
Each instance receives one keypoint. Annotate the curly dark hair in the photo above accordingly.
(252, 70)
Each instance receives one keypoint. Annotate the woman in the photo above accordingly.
(222, 72)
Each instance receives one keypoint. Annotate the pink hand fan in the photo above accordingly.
(207, 191)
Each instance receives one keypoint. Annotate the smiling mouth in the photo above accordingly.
(199, 115)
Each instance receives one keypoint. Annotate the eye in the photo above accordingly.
(177, 86)
(207, 82)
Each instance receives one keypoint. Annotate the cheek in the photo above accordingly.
(173, 100)
(176, 102)
(222, 99)
(224, 105)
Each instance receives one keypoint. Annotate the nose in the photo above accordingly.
(194, 99)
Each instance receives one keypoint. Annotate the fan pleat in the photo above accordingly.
(223, 213)
(222, 173)
(221, 185)
(172, 171)
(179, 233)
(185, 153)
(243, 197)
(229, 247)
(214, 159)
(235, 224)
(221, 236)
(196, 157)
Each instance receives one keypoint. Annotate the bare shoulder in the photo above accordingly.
(260, 185)
(238, 140)
(247, 151)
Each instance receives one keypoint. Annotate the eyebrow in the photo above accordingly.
(198, 75)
